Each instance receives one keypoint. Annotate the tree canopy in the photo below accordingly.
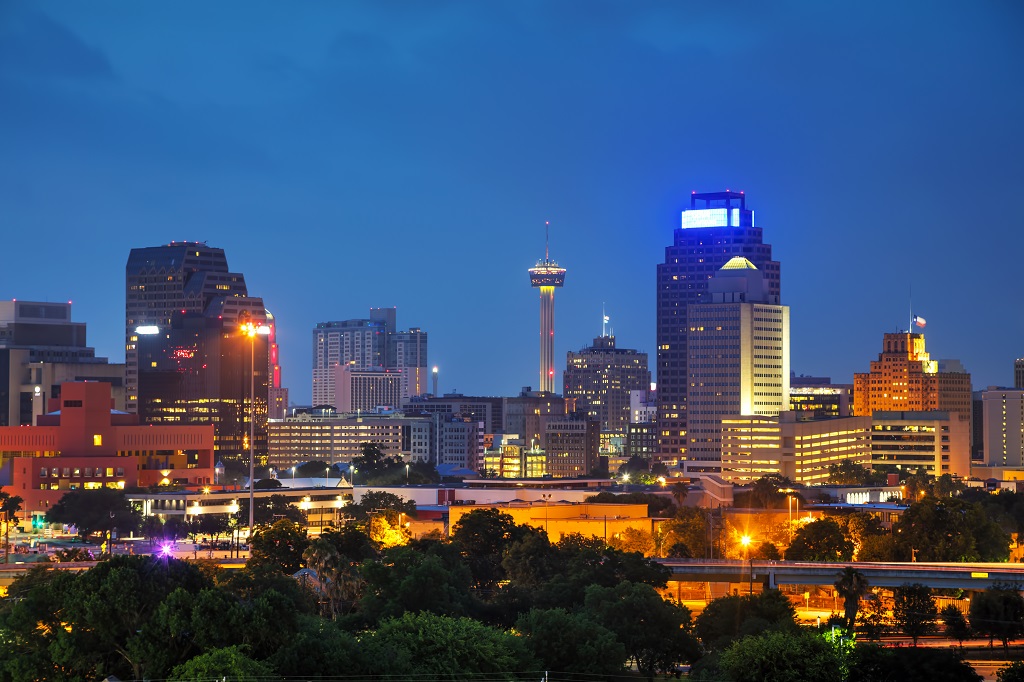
(102, 510)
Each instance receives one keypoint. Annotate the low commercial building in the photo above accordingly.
(83, 443)
(802, 451)
(336, 438)
(933, 441)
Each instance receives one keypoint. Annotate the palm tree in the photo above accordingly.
(851, 585)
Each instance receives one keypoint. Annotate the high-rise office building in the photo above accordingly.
(601, 376)
(40, 349)
(547, 276)
(737, 359)
(367, 344)
(1003, 426)
(1018, 373)
(365, 390)
(277, 395)
(716, 227)
(906, 379)
(188, 361)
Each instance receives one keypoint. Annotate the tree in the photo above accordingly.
(483, 536)
(634, 466)
(821, 540)
(999, 613)
(848, 472)
(955, 626)
(279, 546)
(380, 502)
(398, 583)
(782, 656)
(229, 663)
(950, 529)
(267, 484)
(431, 647)
(728, 618)
(851, 586)
(914, 610)
(633, 540)
(873, 663)
(10, 505)
(766, 551)
(655, 641)
(377, 468)
(657, 505)
(689, 527)
(766, 491)
(102, 510)
(268, 510)
(1011, 673)
(877, 548)
(572, 644)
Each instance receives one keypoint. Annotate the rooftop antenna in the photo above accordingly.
(547, 224)
(604, 321)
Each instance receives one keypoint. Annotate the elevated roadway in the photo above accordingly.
(971, 576)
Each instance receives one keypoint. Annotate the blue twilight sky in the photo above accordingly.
(356, 154)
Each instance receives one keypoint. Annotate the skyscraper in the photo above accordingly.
(716, 227)
(188, 361)
(368, 344)
(1018, 373)
(601, 376)
(547, 276)
(737, 359)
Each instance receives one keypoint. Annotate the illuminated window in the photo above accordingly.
(97, 439)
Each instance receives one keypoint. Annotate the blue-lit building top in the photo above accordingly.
(717, 209)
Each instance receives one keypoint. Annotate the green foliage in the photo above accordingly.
(955, 626)
(633, 540)
(657, 639)
(229, 663)
(689, 528)
(877, 548)
(482, 537)
(269, 510)
(373, 467)
(998, 612)
(319, 649)
(766, 491)
(851, 586)
(267, 484)
(280, 546)
(782, 657)
(379, 502)
(407, 580)
(873, 663)
(431, 647)
(851, 473)
(95, 511)
(914, 610)
(766, 551)
(728, 618)
(821, 540)
(950, 529)
(1011, 673)
(572, 644)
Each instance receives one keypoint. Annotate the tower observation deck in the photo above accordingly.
(546, 276)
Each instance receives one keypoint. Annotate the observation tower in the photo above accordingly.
(546, 276)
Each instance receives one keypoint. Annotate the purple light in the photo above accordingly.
(166, 549)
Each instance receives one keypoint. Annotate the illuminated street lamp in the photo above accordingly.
(252, 331)
(407, 474)
(745, 541)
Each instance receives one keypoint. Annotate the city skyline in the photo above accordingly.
(293, 147)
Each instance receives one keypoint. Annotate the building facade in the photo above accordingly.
(1018, 373)
(488, 410)
(801, 450)
(571, 445)
(738, 359)
(334, 438)
(1003, 426)
(368, 344)
(933, 441)
(818, 398)
(601, 377)
(716, 227)
(81, 443)
(366, 390)
(41, 349)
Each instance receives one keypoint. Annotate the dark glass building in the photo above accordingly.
(716, 227)
(188, 360)
(600, 378)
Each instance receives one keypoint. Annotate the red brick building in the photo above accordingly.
(83, 443)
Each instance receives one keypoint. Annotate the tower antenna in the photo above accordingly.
(547, 224)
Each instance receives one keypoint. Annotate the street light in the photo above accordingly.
(327, 484)
(252, 331)
(745, 541)
(407, 473)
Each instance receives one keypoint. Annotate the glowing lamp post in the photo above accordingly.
(252, 331)
(745, 541)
